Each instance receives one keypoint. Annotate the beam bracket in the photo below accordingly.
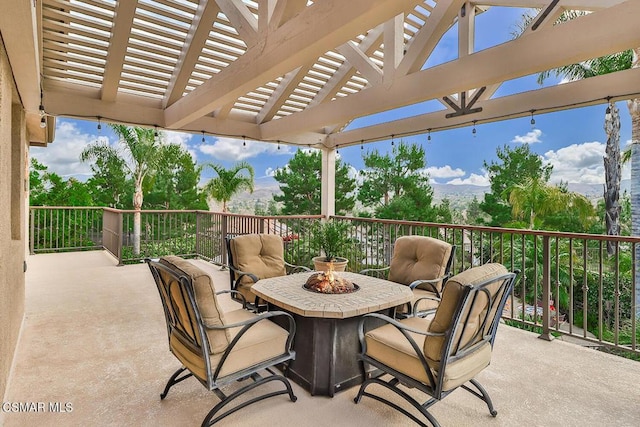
(464, 108)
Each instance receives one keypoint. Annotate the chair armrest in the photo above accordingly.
(416, 302)
(241, 274)
(430, 282)
(292, 268)
(236, 293)
(397, 324)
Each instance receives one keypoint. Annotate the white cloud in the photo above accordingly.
(577, 163)
(63, 155)
(445, 172)
(473, 179)
(231, 149)
(530, 138)
(182, 139)
(270, 172)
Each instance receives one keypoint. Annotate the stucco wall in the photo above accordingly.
(13, 154)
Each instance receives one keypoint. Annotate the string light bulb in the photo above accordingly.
(99, 124)
(608, 98)
(362, 144)
(533, 121)
(278, 144)
(41, 106)
(203, 140)
(474, 131)
(43, 122)
(244, 141)
(392, 141)
(155, 133)
(429, 134)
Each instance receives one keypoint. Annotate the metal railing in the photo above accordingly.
(569, 284)
(58, 229)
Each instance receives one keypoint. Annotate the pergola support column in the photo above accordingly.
(328, 183)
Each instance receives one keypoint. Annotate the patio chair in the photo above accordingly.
(253, 257)
(422, 263)
(437, 355)
(219, 348)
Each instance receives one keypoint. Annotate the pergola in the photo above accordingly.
(297, 71)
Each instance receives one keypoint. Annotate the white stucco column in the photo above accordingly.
(328, 182)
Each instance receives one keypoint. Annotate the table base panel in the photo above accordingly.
(326, 351)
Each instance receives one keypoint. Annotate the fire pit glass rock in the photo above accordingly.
(327, 282)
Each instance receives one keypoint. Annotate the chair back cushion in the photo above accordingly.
(474, 315)
(205, 298)
(259, 254)
(419, 258)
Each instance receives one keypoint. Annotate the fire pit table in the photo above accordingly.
(326, 341)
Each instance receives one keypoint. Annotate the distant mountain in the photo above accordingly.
(458, 195)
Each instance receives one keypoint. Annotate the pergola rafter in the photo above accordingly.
(296, 71)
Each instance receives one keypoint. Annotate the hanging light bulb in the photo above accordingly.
(608, 98)
(203, 140)
(362, 144)
(99, 125)
(43, 122)
(278, 144)
(155, 133)
(392, 142)
(41, 107)
(429, 134)
(473, 131)
(533, 121)
(244, 141)
(337, 149)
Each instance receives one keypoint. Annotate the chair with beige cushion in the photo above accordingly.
(216, 347)
(253, 257)
(436, 355)
(422, 263)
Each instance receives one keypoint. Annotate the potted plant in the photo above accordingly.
(331, 237)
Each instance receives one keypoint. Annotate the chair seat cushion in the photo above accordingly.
(460, 371)
(263, 341)
(387, 345)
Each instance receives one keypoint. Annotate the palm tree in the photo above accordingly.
(534, 199)
(141, 153)
(596, 67)
(229, 182)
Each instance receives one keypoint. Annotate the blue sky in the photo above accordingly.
(572, 140)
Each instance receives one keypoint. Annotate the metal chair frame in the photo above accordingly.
(214, 381)
(451, 351)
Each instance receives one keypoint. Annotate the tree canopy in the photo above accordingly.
(300, 185)
(396, 185)
(229, 182)
(515, 166)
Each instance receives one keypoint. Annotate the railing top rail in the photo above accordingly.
(603, 237)
(65, 207)
(227, 214)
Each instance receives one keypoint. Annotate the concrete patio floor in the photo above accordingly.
(94, 337)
